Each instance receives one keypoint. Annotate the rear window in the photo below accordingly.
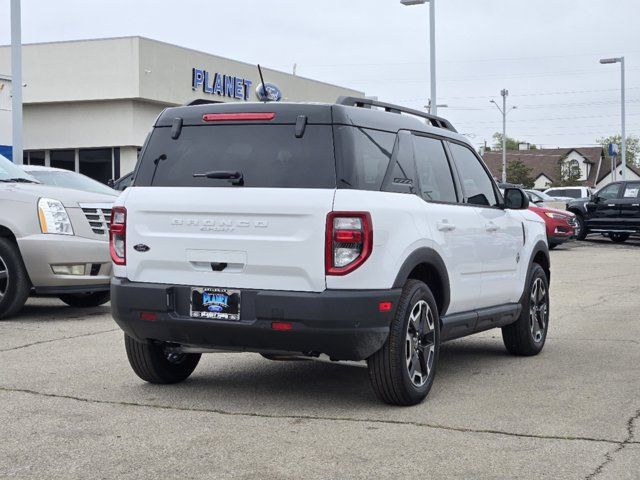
(268, 156)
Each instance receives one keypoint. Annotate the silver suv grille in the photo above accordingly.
(99, 217)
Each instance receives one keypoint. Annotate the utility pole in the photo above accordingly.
(16, 81)
(504, 92)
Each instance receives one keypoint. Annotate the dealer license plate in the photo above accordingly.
(215, 303)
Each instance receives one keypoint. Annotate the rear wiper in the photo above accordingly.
(236, 177)
(17, 180)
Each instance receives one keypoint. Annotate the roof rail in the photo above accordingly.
(436, 121)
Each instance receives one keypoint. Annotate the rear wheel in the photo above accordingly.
(159, 362)
(14, 280)
(85, 300)
(403, 370)
(527, 335)
(618, 237)
(580, 230)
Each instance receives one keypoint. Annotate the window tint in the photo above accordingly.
(609, 192)
(364, 156)
(477, 184)
(434, 173)
(266, 155)
(632, 190)
(573, 193)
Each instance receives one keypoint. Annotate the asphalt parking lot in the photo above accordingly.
(72, 407)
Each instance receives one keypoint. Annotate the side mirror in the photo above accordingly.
(594, 198)
(515, 199)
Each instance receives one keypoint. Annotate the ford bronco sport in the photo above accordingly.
(351, 231)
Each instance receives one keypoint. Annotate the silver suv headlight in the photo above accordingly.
(53, 217)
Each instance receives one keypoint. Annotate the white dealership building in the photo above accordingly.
(89, 105)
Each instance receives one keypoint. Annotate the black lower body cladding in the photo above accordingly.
(344, 324)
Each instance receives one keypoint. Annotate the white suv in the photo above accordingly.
(355, 231)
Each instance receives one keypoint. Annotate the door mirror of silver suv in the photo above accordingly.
(515, 199)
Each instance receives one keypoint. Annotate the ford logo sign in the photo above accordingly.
(141, 247)
(273, 93)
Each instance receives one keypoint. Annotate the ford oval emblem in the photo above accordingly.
(273, 93)
(141, 247)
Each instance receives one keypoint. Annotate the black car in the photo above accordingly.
(613, 210)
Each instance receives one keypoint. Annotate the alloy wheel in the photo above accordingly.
(538, 310)
(4, 278)
(420, 343)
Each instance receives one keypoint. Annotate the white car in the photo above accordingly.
(569, 193)
(541, 199)
(321, 230)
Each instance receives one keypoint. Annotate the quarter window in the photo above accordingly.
(477, 185)
(434, 172)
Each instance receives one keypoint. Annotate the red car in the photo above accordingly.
(560, 224)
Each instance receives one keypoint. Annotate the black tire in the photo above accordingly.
(154, 364)
(15, 285)
(581, 228)
(618, 237)
(85, 300)
(389, 367)
(553, 245)
(527, 335)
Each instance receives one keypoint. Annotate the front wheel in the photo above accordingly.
(14, 280)
(85, 300)
(402, 371)
(580, 230)
(526, 336)
(618, 237)
(159, 362)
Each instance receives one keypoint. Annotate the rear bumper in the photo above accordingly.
(344, 324)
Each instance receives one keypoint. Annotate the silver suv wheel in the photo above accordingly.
(420, 343)
(538, 307)
(4, 278)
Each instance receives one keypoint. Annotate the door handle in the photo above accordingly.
(492, 227)
(445, 226)
(611, 204)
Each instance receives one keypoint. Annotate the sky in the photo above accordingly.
(544, 52)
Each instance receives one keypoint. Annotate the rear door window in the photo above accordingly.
(434, 173)
(632, 190)
(268, 156)
(476, 182)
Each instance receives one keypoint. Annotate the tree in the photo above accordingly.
(519, 173)
(633, 147)
(512, 143)
(570, 173)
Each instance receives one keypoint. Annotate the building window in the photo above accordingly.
(36, 157)
(96, 163)
(63, 159)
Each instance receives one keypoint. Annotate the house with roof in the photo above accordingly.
(546, 164)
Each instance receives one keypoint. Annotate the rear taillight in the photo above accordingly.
(118, 235)
(349, 240)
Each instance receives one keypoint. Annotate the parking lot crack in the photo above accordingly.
(610, 456)
(437, 426)
(26, 345)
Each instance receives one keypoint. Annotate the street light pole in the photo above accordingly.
(504, 92)
(432, 54)
(16, 81)
(623, 142)
(432, 48)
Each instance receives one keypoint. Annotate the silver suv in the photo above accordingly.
(53, 241)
